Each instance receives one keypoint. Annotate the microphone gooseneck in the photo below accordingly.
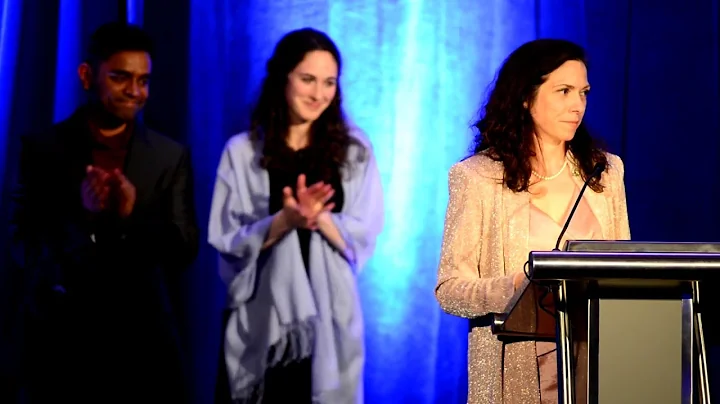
(597, 170)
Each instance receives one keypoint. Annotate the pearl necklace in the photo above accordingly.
(552, 177)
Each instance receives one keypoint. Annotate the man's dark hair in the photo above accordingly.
(115, 37)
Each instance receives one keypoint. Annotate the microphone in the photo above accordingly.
(597, 170)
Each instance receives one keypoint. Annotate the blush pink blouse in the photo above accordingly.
(542, 237)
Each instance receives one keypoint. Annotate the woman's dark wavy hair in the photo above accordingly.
(505, 130)
(270, 120)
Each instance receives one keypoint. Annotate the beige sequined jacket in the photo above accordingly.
(482, 249)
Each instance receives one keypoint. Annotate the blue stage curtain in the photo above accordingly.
(415, 75)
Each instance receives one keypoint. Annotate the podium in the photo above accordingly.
(626, 317)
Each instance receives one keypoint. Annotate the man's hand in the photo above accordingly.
(95, 189)
(125, 193)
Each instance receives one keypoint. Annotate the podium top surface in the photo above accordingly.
(603, 260)
(640, 246)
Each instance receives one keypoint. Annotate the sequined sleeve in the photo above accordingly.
(460, 290)
(622, 224)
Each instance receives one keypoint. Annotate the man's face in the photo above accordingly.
(120, 83)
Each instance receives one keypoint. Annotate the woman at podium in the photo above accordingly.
(532, 156)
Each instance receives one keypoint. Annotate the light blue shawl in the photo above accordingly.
(277, 314)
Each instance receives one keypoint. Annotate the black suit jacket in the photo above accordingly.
(96, 299)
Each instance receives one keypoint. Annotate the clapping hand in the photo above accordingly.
(307, 204)
(102, 190)
(125, 193)
(95, 189)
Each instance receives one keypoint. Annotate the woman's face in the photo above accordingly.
(311, 86)
(560, 102)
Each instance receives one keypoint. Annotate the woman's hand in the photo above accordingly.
(303, 209)
(518, 279)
